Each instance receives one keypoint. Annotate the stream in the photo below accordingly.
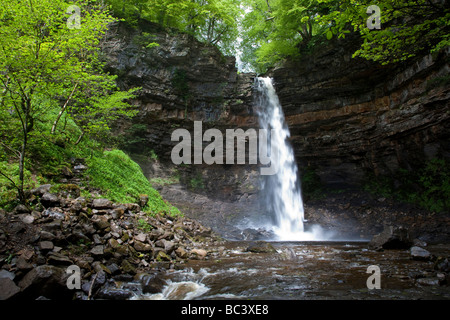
(298, 271)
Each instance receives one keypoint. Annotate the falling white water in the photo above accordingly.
(282, 190)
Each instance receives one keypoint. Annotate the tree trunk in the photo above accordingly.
(63, 109)
(79, 138)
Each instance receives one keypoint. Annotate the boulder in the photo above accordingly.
(162, 256)
(152, 283)
(199, 253)
(253, 234)
(143, 200)
(101, 222)
(110, 293)
(168, 245)
(46, 245)
(46, 280)
(41, 190)
(181, 252)
(392, 237)
(49, 199)
(55, 213)
(261, 247)
(8, 288)
(102, 204)
(98, 250)
(442, 264)
(21, 209)
(127, 267)
(27, 218)
(142, 247)
(56, 258)
(418, 253)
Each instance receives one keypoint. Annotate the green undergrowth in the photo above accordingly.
(122, 180)
(427, 187)
(50, 156)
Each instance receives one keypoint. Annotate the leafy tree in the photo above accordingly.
(275, 29)
(211, 21)
(408, 27)
(45, 62)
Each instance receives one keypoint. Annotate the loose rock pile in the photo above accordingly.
(105, 240)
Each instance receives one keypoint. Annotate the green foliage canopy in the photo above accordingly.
(211, 21)
(275, 29)
(45, 64)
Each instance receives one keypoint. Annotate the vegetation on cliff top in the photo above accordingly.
(57, 103)
(277, 29)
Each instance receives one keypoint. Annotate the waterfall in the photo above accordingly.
(282, 191)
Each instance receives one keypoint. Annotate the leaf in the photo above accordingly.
(329, 35)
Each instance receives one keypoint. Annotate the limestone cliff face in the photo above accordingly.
(182, 81)
(349, 116)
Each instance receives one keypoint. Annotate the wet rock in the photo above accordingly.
(199, 253)
(114, 268)
(7, 274)
(76, 207)
(97, 280)
(46, 245)
(418, 253)
(141, 237)
(260, 247)
(288, 254)
(442, 264)
(143, 200)
(101, 222)
(133, 207)
(116, 294)
(102, 204)
(113, 243)
(45, 280)
(162, 256)
(118, 212)
(391, 238)
(41, 190)
(152, 283)
(8, 288)
(56, 258)
(50, 199)
(22, 264)
(55, 213)
(428, 281)
(253, 234)
(127, 267)
(27, 218)
(21, 209)
(181, 252)
(168, 246)
(51, 227)
(142, 247)
(98, 250)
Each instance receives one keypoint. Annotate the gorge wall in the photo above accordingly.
(349, 118)
(183, 81)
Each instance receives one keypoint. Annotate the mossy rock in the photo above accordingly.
(67, 190)
(261, 247)
(162, 256)
(127, 267)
